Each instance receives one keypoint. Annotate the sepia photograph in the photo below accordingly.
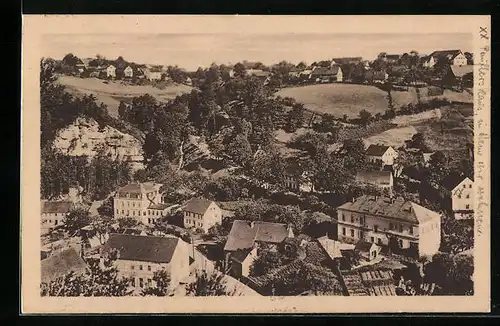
(287, 162)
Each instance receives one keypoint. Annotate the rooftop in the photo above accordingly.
(398, 209)
(198, 205)
(364, 246)
(61, 264)
(139, 188)
(460, 71)
(334, 248)
(56, 206)
(142, 248)
(244, 233)
(451, 181)
(376, 150)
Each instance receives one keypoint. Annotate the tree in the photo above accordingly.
(240, 150)
(266, 261)
(269, 167)
(365, 117)
(438, 168)
(161, 285)
(97, 281)
(127, 222)
(213, 284)
(76, 219)
(418, 141)
(239, 70)
(457, 235)
(106, 209)
(296, 117)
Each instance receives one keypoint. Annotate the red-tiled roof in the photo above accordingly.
(61, 264)
(243, 234)
(142, 248)
(56, 206)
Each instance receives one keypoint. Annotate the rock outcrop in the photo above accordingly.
(84, 138)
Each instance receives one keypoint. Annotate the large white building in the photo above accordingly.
(141, 201)
(381, 154)
(53, 214)
(139, 257)
(376, 218)
(202, 213)
(452, 57)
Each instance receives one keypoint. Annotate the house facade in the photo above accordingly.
(381, 154)
(377, 219)
(202, 213)
(53, 214)
(111, 71)
(141, 201)
(452, 57)
(139, 257)
(128, 72)
(459, 192)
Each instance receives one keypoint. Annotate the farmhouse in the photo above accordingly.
(53, 214)
(111, 71)
(128, 72)
(241, 247)
(376, 219)
(141, 201)
(202, 213)
(326, 75)
(381, 154)
(459, 191)
(139, 257)
(450, 57)
(380, 179)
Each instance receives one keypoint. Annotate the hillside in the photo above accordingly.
(350, 99)
(112, 92)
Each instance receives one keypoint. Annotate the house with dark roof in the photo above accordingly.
(450, 57)
(53, 214)
(368, 251)
(138, 257)
(380, 179)
(376, 76)
(381, 154)
(241, 247)
(377, 219)
(62, 263)
(297, 179)
(202, 213)
(327, 74)
(458, 190)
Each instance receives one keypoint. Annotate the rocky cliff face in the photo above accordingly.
(84, 137)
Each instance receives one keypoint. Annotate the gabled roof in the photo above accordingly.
(244, 233)
(198, 205)
(374, 177)
(56, 206)
(138, 188)
(397, 209)
(364, 246)
(451, 181)
(61, 264)
(376, 150)
(324, 71)
(334, 248)
(142, 248)
(448, 54)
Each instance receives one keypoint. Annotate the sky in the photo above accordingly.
(191, 51)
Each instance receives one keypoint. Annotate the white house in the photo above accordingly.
(128, 72)
(459, 190)
(111, 71)
(452, 57)
(377, 218)
(381, 154)
(139, 257)
(202, 213)
(380, 179)
(141, 201)
(53, 214)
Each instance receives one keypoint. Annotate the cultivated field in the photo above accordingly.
(113, 92)
(350, 99)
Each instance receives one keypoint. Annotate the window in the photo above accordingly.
(343, 217)
(144, 213)
(123, 211)
(140, 267)
(141, 282)
(133, 213)
(343, 231)
(375, 228)
(459, 196)
(55, 222)
(149, 282)
(372, 239)
(464, 186)
(352, 219)
(470, 186)
(133, 204)
(379, 241)
(117, 211)
(149, 268)
(352, 233)
(133, 282)
(400, 242)
(128, 212)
